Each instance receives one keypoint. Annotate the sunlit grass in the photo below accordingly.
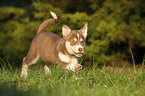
(88, 82)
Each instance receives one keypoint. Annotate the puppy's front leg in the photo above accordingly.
(47, 70)
(78, 67)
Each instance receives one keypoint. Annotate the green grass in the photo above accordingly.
(91, 82)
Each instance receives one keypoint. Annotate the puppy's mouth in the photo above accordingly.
(78, 54)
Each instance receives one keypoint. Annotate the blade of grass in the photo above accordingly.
(10, 67)
(134, 67)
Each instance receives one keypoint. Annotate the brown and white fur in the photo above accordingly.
(54, 49)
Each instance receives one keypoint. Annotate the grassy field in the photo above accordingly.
(88, 82)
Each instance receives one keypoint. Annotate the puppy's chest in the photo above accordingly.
(66, 59)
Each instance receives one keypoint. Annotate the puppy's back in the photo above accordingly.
(46, 46)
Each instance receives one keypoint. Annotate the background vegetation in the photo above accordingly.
(114, 26)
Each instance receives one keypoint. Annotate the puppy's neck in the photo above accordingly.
(61, 47)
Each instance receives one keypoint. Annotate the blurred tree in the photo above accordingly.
(70, 6)
(116, 26)
(12, 30)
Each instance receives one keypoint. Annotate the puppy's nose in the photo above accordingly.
(80, 49)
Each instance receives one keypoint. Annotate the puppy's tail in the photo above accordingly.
(43, 26)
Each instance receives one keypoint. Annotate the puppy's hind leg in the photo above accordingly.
(30, 59)
(26, 64)
(24, 68)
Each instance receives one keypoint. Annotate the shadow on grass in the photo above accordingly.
(14, 91)
(10, 91)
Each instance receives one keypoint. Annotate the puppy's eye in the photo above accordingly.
(82, 41)
(73, 41)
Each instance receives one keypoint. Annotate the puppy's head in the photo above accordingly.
(75, 40)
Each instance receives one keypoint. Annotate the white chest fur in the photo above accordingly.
(72, 62)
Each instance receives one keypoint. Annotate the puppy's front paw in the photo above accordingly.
(79, 67)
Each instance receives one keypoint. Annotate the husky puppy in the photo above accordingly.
(56, 50)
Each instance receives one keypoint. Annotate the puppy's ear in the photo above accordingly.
(65, 30)
(84, 30)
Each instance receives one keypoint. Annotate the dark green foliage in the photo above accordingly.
(114, 26)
